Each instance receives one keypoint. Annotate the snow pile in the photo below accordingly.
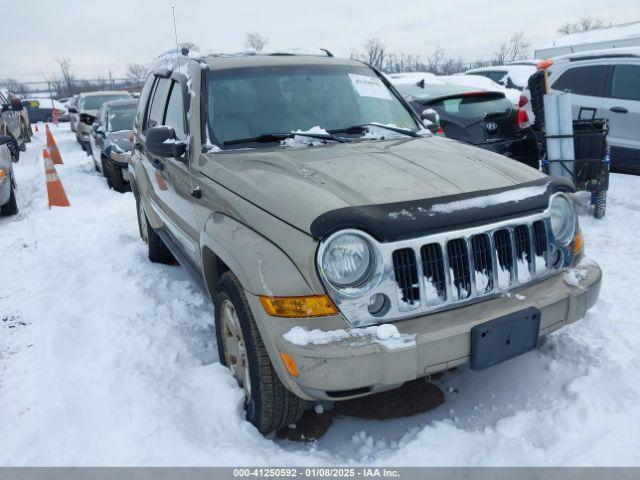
(386, 335)
(301, 140)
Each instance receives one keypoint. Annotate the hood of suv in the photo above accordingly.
(298, 185)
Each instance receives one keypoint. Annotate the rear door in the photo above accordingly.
(622, 107)
(170, 178)
(587, 87)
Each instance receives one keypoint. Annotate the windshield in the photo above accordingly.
(96, 101)
(121, 118)
(473, 106)
(248, 103)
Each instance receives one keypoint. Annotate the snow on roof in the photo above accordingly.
(615, 36)
(605, 34)
(519, 74)
(475, 81)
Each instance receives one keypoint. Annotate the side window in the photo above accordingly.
(588, 80)
(144, 101)
(156, 109)
(626, 82)
(175, 111)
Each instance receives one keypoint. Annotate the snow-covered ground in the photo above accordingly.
(107, 359)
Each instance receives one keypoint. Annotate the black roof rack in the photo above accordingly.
(603, 55)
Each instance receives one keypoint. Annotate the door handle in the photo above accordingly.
(157, 163)
(619, 110)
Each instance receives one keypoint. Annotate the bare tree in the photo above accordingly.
(513, 48)
(14, 86)
(435, 60)
(256, 42)
(582, 25)
(137, 74)
(374, 52)
(67, 85)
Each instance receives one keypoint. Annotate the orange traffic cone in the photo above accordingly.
(55, 190)
(53, 148)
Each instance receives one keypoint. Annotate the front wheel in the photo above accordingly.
(268, 404)
(118, 183)
(158, 251)
(600, 204)
(106, 172)
(11, 207)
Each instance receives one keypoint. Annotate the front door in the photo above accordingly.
(171, 197)
(622, 107)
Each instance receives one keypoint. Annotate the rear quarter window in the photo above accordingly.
(625, 83)
(588, 80)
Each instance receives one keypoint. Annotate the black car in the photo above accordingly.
(111, 141)
(482, 118)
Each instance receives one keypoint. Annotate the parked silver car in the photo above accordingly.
(605, 84)
(87, 108)
(346, 249)
(8, 205)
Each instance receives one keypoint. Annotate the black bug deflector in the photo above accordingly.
(402, 220)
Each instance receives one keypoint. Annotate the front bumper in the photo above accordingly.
(357, 366)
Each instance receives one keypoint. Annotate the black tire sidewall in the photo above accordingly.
(228, 290)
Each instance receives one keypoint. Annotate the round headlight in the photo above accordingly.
(563, 220)
(348, 260)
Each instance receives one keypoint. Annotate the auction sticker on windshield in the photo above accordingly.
(369, 86)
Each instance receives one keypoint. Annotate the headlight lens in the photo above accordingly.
(348, 260)
(563, 219)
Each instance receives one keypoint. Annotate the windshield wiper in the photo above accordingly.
(362, 127)
(276, 137)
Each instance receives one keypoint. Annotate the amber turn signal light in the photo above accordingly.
(578, 243)
(298, 307)
(289, 364)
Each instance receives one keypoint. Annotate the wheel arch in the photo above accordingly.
(260, 266)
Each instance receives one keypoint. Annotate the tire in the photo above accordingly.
(118, 183)
(11, 207)
(14, 150)
(600, 204)
(158, 251)
(106, 172)
(269, 405)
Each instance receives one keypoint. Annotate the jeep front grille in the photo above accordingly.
(481, 263)
(443, 270)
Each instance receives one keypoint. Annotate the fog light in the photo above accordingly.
(379, 305)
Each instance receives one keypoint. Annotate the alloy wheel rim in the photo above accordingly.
(143, 223)
(235, 350)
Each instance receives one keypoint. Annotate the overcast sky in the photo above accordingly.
(98, 36)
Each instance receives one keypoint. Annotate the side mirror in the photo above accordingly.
(100, 130)
(431, 118)
(73, 110)
(161, 141)
(16, 104)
